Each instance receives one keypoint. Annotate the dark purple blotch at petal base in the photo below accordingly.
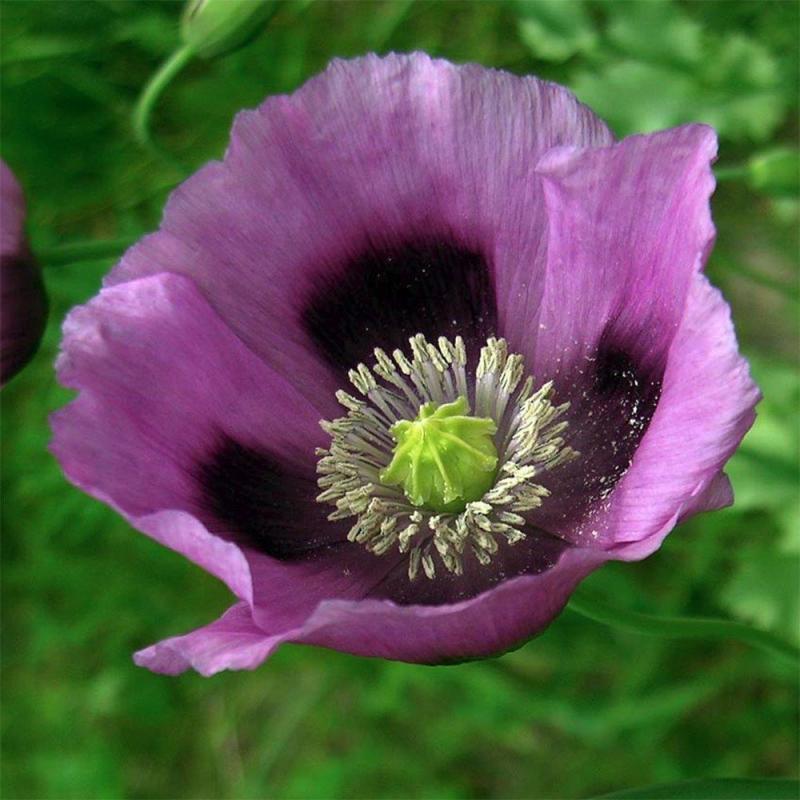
(389, 197)
(384, 296)
(609, 415)
(263, 502)
(23, 303)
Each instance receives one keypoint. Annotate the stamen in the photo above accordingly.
(400, 392)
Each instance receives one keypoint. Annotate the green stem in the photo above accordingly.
(736, 173)
(587, 605)
(82, 251)
(153, 90)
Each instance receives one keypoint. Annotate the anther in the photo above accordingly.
(418, 474)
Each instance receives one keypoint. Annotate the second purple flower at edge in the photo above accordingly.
(402, 232)
(23, 302)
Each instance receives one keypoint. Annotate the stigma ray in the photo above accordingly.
(529, 441)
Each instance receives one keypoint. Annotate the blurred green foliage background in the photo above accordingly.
(580, 711)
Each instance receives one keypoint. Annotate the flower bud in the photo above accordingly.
(214, 27)
(23, 303)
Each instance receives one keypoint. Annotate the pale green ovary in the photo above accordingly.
(444, 458)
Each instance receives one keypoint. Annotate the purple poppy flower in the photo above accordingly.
(24, 303)
(497, 310)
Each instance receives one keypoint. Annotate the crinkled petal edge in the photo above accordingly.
(491, 623)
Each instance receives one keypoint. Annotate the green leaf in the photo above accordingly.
(640, 97)
(763, 591)
(672, 71)
(764, 470)
(776, 172)
(588, 604)
(655, 31)
(714, 789)
(634, 96)
(555, 30)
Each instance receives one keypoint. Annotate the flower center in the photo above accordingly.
(419, 474)
(444, 458)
